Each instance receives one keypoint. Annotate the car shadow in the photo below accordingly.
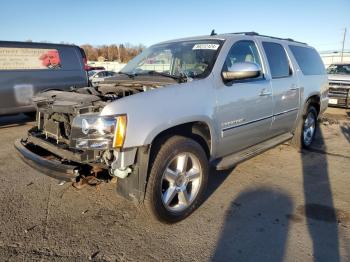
(9, 121)
(257, 222)
(345, 128)
(215, 179)
(319, 210)
(256, 227)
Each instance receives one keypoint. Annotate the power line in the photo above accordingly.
(342, 50)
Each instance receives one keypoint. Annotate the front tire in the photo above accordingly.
(177, 180)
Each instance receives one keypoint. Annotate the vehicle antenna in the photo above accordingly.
(213, 32)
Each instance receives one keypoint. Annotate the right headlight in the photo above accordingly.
(92, 131)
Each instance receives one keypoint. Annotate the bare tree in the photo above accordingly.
(122, 52)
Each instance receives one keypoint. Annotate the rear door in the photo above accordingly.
(244, 108)
(285, 86)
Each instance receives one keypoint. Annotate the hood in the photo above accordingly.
(339, 78)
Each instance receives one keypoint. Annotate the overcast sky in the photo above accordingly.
(319, 23)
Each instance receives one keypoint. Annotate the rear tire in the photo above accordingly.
(177, 180)
(306, 129)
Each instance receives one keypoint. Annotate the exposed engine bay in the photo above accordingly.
(59, 136)
(91, 99)
(56, 109)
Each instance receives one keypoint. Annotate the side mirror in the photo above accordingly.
(240, 71)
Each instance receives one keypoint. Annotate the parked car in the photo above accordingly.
(27, 68)
(218, 100)
(92, 68)
(98, 76)
(339, 84)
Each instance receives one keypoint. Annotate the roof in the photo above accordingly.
(229, 36)
(18, 43)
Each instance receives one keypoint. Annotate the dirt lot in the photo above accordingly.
(281, 205)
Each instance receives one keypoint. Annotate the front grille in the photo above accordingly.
(339, 91)
(55, 126)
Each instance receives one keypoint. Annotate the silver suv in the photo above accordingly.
(176, 109)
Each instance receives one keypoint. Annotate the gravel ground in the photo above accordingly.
(281, 205)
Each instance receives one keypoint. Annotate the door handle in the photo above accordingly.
(293, 87)
(264, 92)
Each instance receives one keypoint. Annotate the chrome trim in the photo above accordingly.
(286, 111)
(260, 119)
(247, 123)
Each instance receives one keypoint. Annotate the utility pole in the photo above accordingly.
(342, 50)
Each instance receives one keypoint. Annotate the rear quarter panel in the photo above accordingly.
(311, 85)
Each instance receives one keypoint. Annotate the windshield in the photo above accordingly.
(193, 59)
(339, 69)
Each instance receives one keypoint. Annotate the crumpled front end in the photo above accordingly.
(48, 145)
(72, 142)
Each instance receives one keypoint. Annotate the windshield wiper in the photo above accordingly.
(182, 78)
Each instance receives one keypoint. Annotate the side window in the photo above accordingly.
(242, 51)
(277, 58)
(308, 60)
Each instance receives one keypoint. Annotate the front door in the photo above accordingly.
(244, 108)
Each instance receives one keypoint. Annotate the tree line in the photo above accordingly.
(121, 53)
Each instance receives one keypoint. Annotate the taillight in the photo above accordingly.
(86, 67)
(83, 55)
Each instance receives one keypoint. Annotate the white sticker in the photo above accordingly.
(205, 46)
(333, 101)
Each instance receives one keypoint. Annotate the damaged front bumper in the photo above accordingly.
(46, 164)
(67, 165)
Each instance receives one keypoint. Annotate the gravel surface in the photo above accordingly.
(281, 205)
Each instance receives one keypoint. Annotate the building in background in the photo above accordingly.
(330, 57)
(108, 65)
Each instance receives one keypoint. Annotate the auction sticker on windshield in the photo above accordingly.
(205, 46)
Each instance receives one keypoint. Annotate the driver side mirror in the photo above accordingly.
(240, 71)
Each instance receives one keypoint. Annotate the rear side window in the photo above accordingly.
(308, 60)
(277, 58)
(71, 58)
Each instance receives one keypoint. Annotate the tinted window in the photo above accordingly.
(308, 60)
(242, 51)
(277, 58)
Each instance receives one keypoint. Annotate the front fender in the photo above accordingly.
(154, 111)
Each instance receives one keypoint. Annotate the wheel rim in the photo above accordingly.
(181, 182)
(309, 128)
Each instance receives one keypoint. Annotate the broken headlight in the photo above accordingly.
(92, 131)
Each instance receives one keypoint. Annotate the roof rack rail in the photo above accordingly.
(273, 37)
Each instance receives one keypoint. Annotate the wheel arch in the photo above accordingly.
(314, 100)
(196, 130)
